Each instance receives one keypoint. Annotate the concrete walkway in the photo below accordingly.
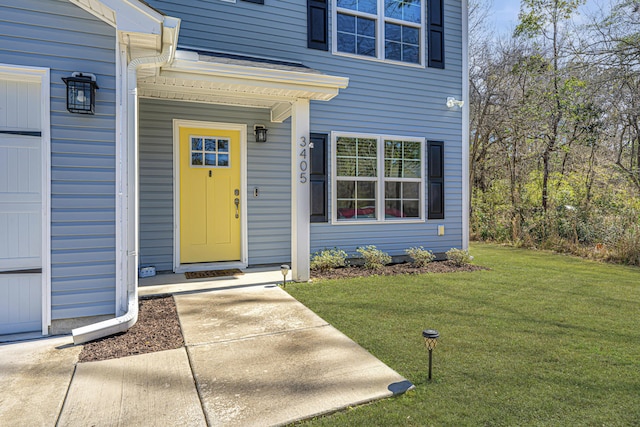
(254, 356)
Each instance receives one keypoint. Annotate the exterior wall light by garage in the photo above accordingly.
(261, 133)
(453, 103)
(430, 340)
(284, 269)
(81, 93)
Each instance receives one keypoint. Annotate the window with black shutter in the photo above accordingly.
(435, 31)
(255, 1)
(318, 24)
(318, 177)
(435, 161)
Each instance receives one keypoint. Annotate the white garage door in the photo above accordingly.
(20, 207)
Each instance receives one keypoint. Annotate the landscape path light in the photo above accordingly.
(430, 339)
(284, 269)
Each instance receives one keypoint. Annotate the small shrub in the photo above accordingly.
(374, 258)
(420, 256)
(459, 257)
(328, 258)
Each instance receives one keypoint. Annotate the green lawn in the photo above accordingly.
(540, 339)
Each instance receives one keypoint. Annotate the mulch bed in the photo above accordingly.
(157, 329)
(394, 269)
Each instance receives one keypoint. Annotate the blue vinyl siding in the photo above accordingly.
(382, 98)
(268, 169)
(64, 38)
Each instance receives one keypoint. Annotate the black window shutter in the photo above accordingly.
(435, 30)
(435, 182)
(318, 177)
(255, 1)
(318, 24)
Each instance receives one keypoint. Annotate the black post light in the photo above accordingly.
(430, 339)
(81, 93)
(261, 133)
(284, 269)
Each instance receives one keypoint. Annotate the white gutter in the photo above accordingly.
(130, 193)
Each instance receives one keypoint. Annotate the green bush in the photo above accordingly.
(459, 257)
(374, 259)
(328, 259)
(420, 256)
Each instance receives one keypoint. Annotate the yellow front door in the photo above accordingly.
(209, 195)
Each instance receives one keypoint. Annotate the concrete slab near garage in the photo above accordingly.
(146, 390)
(34, 378)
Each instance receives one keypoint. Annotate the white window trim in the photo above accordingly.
(380, 20)
(380, 179)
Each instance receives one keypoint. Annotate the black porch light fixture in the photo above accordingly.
(430, 340)
(81, 93)
(261, 133)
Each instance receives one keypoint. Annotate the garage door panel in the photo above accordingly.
(17, 312)
(21, 216)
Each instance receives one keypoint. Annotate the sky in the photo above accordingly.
(504, 13)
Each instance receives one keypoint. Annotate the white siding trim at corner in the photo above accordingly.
(64, 38)
(466, 191)
(268, 169)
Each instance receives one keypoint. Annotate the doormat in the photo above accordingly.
(212, 273)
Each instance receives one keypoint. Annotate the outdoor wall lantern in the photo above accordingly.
(453, 103)
(284, 269)
(261, 133)
(81, 93)
(430, 339)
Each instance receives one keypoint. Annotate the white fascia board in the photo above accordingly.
(125, 15)
(255, 73)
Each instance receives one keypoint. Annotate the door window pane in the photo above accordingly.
(206, 151)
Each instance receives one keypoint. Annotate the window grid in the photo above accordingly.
(398, 35)
(210, 152)
(403, 177)
(390, 191)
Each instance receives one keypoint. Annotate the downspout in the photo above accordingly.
(130, 204)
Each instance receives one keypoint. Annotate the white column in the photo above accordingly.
(300, 202)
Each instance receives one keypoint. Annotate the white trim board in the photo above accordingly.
(43, 77)
(244, 240)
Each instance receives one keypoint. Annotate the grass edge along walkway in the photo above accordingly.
(540, 339)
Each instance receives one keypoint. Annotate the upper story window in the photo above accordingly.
(383, 29)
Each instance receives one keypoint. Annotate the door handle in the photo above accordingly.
(237, 203)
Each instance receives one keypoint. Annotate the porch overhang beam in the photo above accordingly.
(200, 78)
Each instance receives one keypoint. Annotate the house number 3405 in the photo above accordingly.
(302, 159)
